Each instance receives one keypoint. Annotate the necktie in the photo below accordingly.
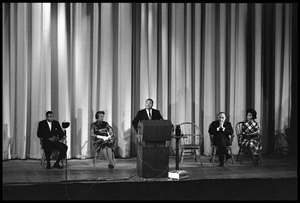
(150, 116)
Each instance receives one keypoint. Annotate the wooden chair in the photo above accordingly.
(244, 151)
(97, 152)
(191, 141)
(238, 131)
(54, 155)
(215, 148)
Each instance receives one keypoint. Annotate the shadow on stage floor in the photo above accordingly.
(274, 179)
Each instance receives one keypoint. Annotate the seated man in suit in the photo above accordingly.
(50, 132)
(221, 129)
(148, 113)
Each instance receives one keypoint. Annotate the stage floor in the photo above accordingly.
(274, 179)
(82, 170)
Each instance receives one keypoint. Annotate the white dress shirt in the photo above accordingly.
(50, 125)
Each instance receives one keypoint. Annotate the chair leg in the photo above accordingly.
(195, 156)
(95, 158)
(200, 157)
(113, 158)
(258, 160)
(242, 155)
(238, 155)
(259, 157)
(181, 156)
(214, 154)
(253, 158)
(232, 159)
(43, 159)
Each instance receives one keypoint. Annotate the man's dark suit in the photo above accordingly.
(221, 138)
(45, 133)
(142, 115)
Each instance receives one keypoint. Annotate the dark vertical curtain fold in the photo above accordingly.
(268, 74)
(292, 132)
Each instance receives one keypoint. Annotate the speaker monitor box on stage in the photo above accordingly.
(152, 153)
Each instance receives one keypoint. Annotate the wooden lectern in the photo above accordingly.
(152, 153)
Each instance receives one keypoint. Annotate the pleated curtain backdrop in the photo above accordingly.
(193, 59)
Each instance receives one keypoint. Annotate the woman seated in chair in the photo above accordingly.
(103, 138)
(250, 135)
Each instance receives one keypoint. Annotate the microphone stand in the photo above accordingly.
(65, 125)
(66, 173)
(66, 170)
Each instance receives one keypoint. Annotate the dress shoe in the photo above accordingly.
(48, 166)
(110, 166)
(221, 165)
(57, 166)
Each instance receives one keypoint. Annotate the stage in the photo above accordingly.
(274, 179)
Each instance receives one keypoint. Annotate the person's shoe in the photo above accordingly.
(221, 165)
(56, 165)
(48, 166)
(110, 166)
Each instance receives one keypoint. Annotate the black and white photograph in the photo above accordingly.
(164, 101)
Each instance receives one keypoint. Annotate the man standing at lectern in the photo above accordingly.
(148, 113)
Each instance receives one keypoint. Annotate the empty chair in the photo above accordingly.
(191, 141)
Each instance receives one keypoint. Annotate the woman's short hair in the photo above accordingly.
(253, 113)
(99, 112)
